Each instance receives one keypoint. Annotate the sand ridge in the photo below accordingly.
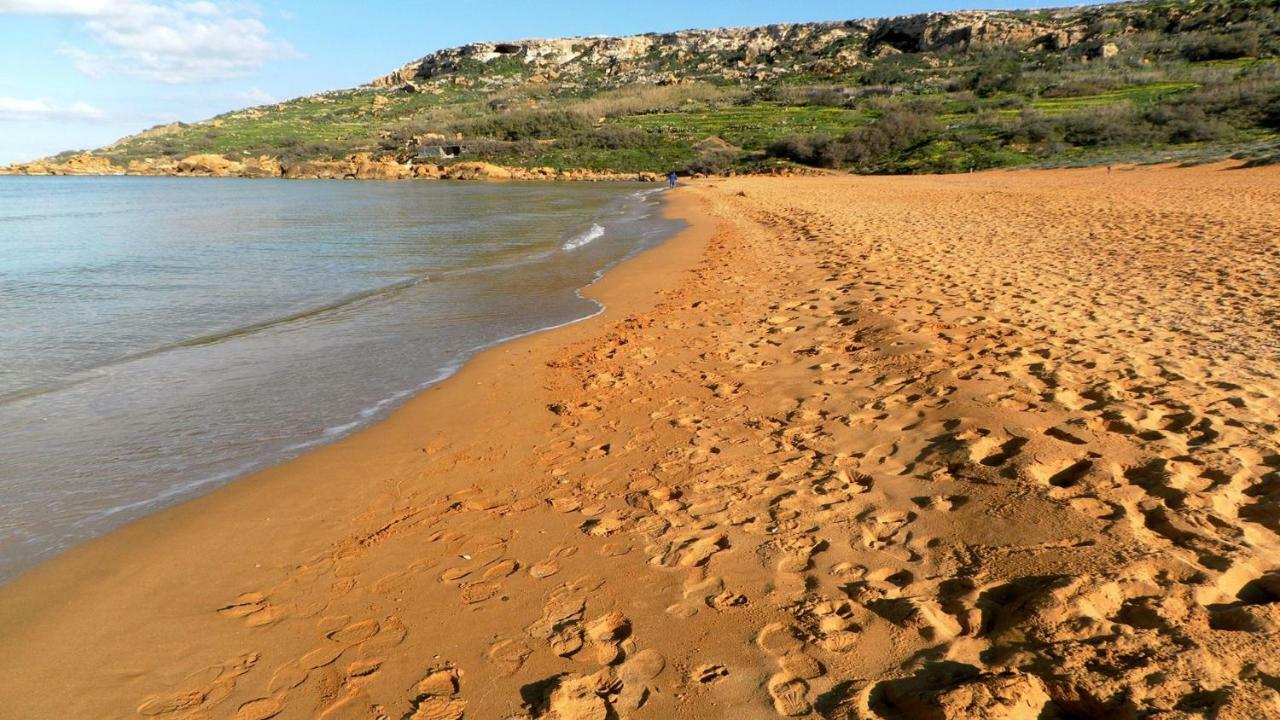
(999, 445)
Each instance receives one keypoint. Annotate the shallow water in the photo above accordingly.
(164, 335)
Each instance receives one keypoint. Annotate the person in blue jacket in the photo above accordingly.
(671, 179)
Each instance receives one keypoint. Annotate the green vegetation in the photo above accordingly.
(1145, 81)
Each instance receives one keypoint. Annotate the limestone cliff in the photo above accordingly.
(755, 53)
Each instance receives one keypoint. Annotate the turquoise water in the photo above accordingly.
(164, 335)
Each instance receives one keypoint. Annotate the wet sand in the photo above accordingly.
(999, 445)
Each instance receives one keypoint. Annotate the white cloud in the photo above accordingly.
(20, 109)
(255, 96)
(163, 40)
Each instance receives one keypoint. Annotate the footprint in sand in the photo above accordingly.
(790, 695)
(435, 696)
(508, 656)
(709, 673)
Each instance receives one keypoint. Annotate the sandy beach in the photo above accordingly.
(998, 445)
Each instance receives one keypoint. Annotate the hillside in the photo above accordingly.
(939, 92)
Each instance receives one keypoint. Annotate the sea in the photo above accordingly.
(162, 336)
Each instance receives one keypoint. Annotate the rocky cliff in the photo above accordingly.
(755, 53)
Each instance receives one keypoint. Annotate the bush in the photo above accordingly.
(1102, 127)
(889, 71)
(866, 147)
(715, 157)
(1033, 128)
(616, 137)
(815, 150)
(529, 125)
(996, 73)
(890, 134)
(1218, 45)
(1184, 123)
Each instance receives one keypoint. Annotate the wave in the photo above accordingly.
(89, 373)
(595, 232)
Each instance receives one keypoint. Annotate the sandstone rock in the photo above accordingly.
(426, 171)
(262, 166)
(363, 166)
(316, 169)
(472, 170)
(89, 164)
(208, 164)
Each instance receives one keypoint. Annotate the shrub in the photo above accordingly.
(995, 73)
(529, 125)
(616, 137)
(816, 150)
(866, 147)
(890, 134)
(1032, 128)
(889, 71)
(1104, 126)
(715, 157)
(1239, 42)
(1184, 123)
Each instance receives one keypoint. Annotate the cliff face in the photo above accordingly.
(757, 53)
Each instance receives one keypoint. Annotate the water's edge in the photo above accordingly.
(371, 416)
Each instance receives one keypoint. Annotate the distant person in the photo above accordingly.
(1108, 169)
(671, 179)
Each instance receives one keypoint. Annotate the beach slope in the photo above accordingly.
(999, 445)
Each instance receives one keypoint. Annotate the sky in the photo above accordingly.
(78, 74)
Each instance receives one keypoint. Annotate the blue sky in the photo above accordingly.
(81, 73)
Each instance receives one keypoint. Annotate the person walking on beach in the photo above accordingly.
(671, 179)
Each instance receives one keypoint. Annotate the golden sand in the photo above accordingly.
(999, 445)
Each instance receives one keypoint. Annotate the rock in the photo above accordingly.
(316, 169)
(208, 164)
(89, 164)
(262, 166)
(365, 167)
(472, 170)
(758, 53)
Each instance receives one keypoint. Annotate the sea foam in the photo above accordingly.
(595, 232)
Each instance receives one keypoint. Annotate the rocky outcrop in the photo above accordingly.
(363, 166)
(931, 32)
(208, 164)
(476, 171)
(80, 164)
(755, 53)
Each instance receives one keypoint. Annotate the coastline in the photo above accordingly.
(359, 166)
(993, 446)
(214, 536)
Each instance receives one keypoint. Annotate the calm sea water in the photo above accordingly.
(159, 336)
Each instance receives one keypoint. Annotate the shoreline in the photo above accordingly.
(359, 166)
(993, 446)
(205, 521)
(113, 494)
